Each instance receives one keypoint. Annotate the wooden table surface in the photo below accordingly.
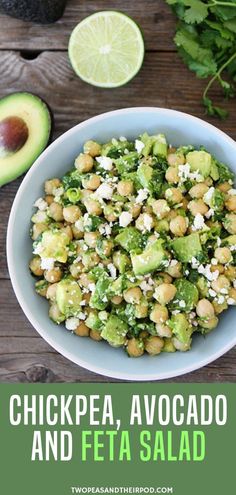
(34, 58)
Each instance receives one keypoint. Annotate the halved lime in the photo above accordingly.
(106, 49)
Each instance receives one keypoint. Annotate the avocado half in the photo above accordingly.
(25, 128)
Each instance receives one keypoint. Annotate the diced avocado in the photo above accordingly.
(148, 143)
(68, 297)
(186, 248)
(186, 296)
(115, 331)
(215, 199)
(214, 172)
(181, 328)
(54, 245)
(150, 259)
(202, 286)
(55, 314)
(230, 240)
(100, 297)
(129, 238)
(168, 346)
(25, 126)
(41, 287)
(118, 286)
(121, 261)
(144, 174)
(160, 146)
(93, 321)
(127, 163)
(201, 161)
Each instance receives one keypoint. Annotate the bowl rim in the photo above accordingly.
(18, 288)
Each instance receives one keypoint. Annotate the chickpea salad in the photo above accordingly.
(137, 244)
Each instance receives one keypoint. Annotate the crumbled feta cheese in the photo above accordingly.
(105, 162)
(104, 191)
(83, 303)
(231, 301)
(38, 249)
(233, 248)
(142, 195)
(209, 213)
(147, 221)
(47, 263)
(221, 300)
(139, 145)
(39, 217)
(79, 224)
(112, 270)
(208, 195)
(173, 263)
(58, 191)
(123, 138)
(81, 315)
(104, 228)
(214, 261)
(218, 241)
(212, 293)
(145, 287)
(224, 291)
(72, 323)
(206, 271)
(175, 311)
(232, 192)
(41, 204)
(92, 287)
(125, 219)
(184, 173)
(199, 222)
(182, 303)
(194, 262)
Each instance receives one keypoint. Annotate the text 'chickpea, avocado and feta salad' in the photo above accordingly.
(137, 244)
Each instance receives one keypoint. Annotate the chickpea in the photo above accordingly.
(232, 294)
(163, 330)
(85, 194)
(205, 309)
(112, 213)
(172, 175)
(164, 293)
(95, 335)
(51, 292)
(175, 271)
(141, 310)
(135, 347)
(180, 346)
(78, 233)
(160, 208)
(230, 273)
(197, 206)
(84, 162)
(91, 238)
(71, 213)
(51, 185)
(219, 308)
(217, 268)
(210, 323)
(35, 266)
(179, 225)
(223, 255)
(230, 223)
(166, 278)
(92, 206)
(37, 229)
(159, 314)
(222, 282)
(116, 299)
(125, 187)
(76, 269)
(55, 211)
(230, 203)
(85, 280)
(184, 203)
(92, 148)
(175, 159)
(154, 345)
(133, 295)
(55, 314)
(82, 330)
(144, 222)
(92, 182)
(134, 209)
(49, 198)
(53, 275)
(198, 190)
(208, 181)
(224, 187)
(68, 231)
(173, 195)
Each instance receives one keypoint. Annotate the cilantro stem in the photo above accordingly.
(224, 4)
(217, 75)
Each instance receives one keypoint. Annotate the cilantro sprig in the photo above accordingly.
(206, 40)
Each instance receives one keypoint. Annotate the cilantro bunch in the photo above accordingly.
(206, 40)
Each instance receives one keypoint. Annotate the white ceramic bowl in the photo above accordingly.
(99, 357)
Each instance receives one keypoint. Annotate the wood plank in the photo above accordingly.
(163, 82)
(153, 16)
(25, 356)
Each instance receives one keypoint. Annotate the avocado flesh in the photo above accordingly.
(68, 297)
(181, 328)
(34, 112)
(115, 331)
(186, 248)
(150, 259)
(186, 293)
(199, 161)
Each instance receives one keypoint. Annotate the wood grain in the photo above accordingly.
(153, 16)
(34, 58)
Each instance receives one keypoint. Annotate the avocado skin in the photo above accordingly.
(44, 12)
